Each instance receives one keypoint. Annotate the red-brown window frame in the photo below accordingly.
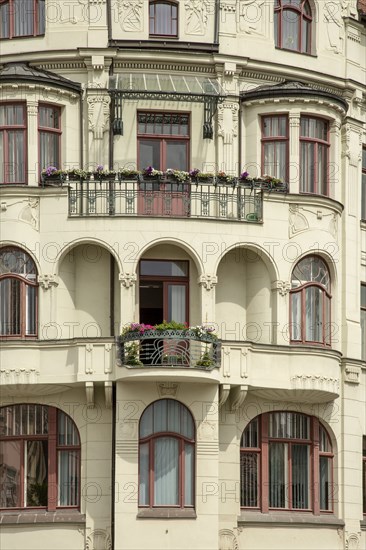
(316, 142)
(166, 279)
(12, 25)
(50, 130)
(281, 9)
(14, 127)
(163, 138)
(263, 464)
(53, 448)
(152, 19)
(271, 139)
(302, 290)
(181, 464)
(23, 312)
(364, 473)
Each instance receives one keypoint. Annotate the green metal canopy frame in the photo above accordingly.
(167, 87)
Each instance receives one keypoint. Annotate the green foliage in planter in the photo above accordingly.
(205, 360)
(171, 325)
(132, 354)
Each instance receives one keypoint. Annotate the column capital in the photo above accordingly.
(127, 279)
(207, 281)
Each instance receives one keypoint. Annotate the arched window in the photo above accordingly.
(18, 293)
(167, 444)
(310, 302)
(286, 463)
(292, 25)
(163, 19)
(39, 458)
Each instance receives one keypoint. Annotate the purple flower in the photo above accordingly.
(149, 170)
(100, 168)
(193, 173)
(244, 175)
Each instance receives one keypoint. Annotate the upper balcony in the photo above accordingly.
(212, 197)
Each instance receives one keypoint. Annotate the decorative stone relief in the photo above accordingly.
(227, 540)
(352, 375)
(283, 287)
(24, 210)
(196, 16)
(19, 376)
(352, 144)
(99, 539)
(167, 388)
(207, 281)
(315, 382)
(207, 430)
(250, 16)
(98, 114)
(334, 26)
(127, 279)
(227, 121)
(46, 281)
(131, 15)
(352, 541)
(304, 219)
(224, 391)
(32, 108)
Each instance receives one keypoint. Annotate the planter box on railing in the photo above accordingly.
(169, 348)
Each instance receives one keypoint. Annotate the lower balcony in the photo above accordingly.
(170, 354)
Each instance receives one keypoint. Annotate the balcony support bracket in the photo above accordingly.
(238, 395)
(89, 390)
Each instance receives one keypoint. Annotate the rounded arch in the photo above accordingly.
(13, 244)
(174, 242)
(63, 251)
(323, 255)
(149, 409)
(259, 253)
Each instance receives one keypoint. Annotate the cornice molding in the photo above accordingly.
(155, 66)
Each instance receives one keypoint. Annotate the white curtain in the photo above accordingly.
(188, 474)
(68, 478)
(144, 491)
(324, 482)
(290, 30)
(300, 476)
(14, 164)
(313, 314)
(4, 21)
(177, 303)
(278, 475)
(23, 17)
(296, 316)
(166, 483)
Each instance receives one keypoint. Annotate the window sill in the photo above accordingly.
(167, 513)
(40, 516)
(277, 519)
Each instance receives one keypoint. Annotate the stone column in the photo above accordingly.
(207, 284)
(48, 328)
(281, 326)
(294, 152)
(33, 167)
(128, 298)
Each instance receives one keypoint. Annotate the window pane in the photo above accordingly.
(166, 455)
(249, 463)
(67, 433)
(2, 155)
(322, 169)
(288, 425)
(177, 303)
(278, 475)
(15, 162)
(160, 416)
(41, 17)
(49, 153)
(10, 296)
(49, 117)
(313, 314)
(144, 493)
(325, 483)
(290, 30)
(10, 453)
(4, 20)
(149, 150)
(30, 310)
(296, 316)
(23, 17)
(250, 435)
(300, 476)
(188, 474)
(68, 478)
(176, 155)
(36, 473)
(307, 175)
(177, 268)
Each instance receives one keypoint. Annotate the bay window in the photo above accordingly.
(286, 464)
(22, 18)
(13, 144)
(39, 458)
(310, 302)
(314, 153)
(166, 456)
(18, 294)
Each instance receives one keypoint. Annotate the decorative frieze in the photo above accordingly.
(131, 15)
(196, 16)
(315, 382)
(352, 375)
(167, 389)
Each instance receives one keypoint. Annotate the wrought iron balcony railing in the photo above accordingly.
(169, 348)
(162, 198)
